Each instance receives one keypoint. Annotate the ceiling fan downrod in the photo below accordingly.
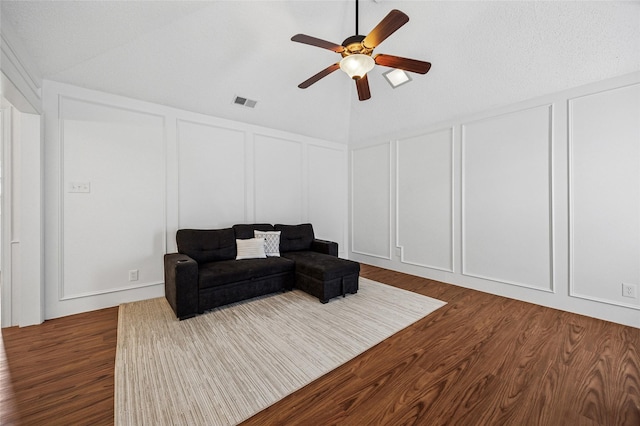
(353, 44)
(356, 17)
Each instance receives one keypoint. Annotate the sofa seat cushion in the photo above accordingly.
(230, 271)
(322, 266)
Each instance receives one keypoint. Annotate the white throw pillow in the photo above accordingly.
(271, 242)
(250, 249)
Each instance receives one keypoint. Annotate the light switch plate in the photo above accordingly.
(80, 187)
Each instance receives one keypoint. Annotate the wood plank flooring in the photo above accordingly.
(60, 372)
(480, 360)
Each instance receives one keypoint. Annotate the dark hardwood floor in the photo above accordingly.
(479, 360)
(59, 372)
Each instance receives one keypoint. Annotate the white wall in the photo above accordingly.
(538, 201)
(604, 194)
(506, 198)
(424, 185)
(370, 202)
(123, 175)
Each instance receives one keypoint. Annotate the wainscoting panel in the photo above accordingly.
(327, 194)
(371, 201)
(424, 207)
(604, 180)
(506, 198)
(212, 176)
(112, 196)
(278, 180)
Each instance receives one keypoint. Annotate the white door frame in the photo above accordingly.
(6, 297)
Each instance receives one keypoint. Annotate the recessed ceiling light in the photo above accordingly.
(396, 77)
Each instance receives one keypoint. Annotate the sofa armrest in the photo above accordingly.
(181, 284)
(326, 247)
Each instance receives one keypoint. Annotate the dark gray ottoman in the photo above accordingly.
(324, 276)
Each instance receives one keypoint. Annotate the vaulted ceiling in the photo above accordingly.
(198, 56)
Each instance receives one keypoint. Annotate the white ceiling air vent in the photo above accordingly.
(239, 100)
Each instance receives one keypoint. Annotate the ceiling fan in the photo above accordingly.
(356, 51)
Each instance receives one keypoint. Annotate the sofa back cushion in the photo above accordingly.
(295, 237)
(207, 245)
(245, 231)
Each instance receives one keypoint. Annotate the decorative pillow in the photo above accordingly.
(271, 242)
(251, 249)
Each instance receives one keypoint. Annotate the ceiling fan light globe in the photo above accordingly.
(357, 66)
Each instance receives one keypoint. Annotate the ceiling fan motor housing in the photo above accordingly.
(353, 45)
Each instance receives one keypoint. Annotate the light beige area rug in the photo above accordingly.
(224, 366)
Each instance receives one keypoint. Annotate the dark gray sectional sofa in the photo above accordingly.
(205, 274)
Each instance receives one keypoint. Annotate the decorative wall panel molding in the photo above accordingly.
(278, 180)
(112, 198)
(507, 219)
(212, 186)
(371, 201)
(327, 193)
(604, 191)
(424, 202)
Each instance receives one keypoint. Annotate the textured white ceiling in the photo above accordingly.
(198, 55)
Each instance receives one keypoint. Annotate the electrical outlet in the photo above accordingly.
(133, 275)
(630, 290)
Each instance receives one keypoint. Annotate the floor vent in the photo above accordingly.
(250, 103)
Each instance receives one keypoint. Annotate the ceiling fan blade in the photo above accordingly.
(325, 72)
(406, 64)
(302, 38)
(389, 24)
(362, 85)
